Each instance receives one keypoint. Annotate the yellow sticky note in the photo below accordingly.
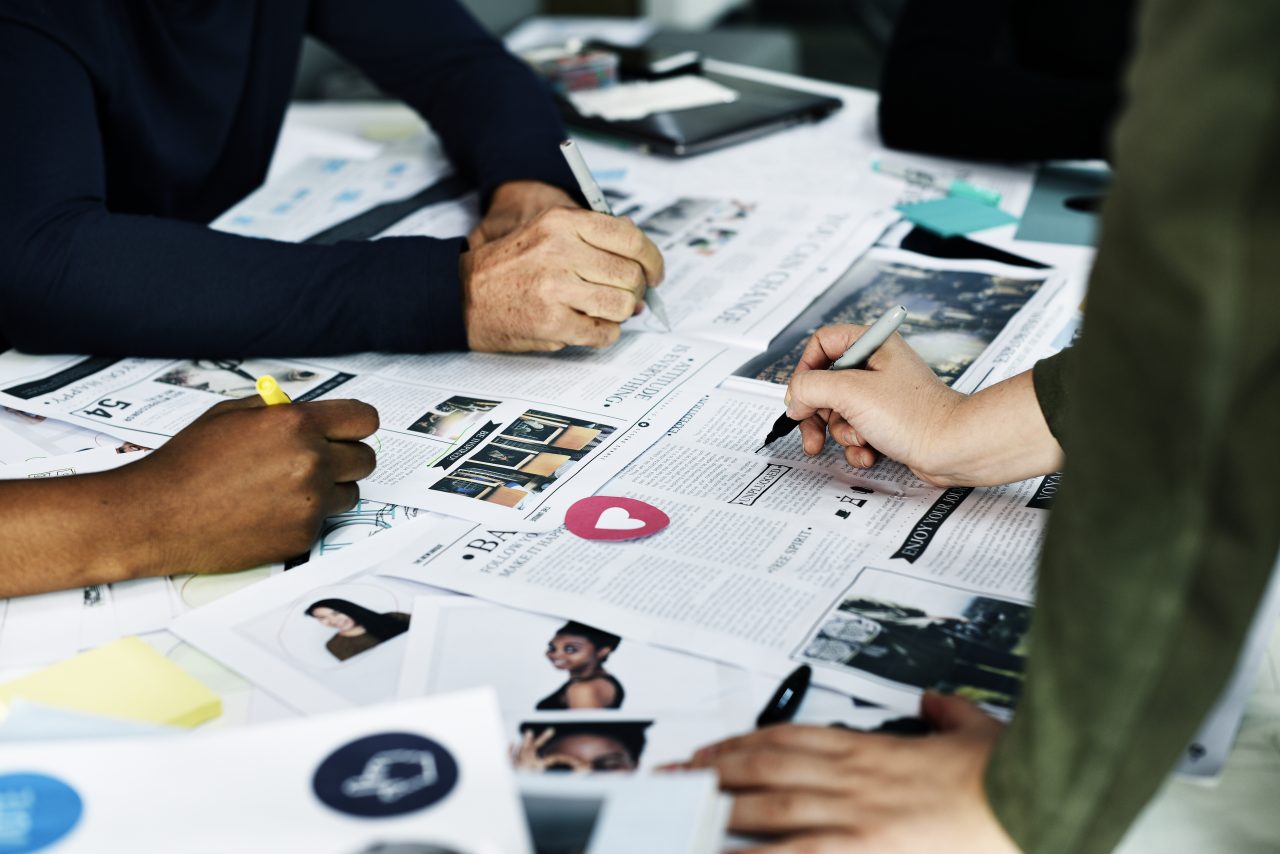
(123, 679)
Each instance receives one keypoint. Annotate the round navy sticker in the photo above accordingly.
(389, 774)
(35, 811)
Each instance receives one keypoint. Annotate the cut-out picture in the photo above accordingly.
(580, 651)
(239, 378)
(928, 636)
(580, 747)
(356, 628)
(452, 418)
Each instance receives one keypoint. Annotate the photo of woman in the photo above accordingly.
(357, 629)
(580, 747)
(581, 651)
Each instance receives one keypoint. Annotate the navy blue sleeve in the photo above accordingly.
(496, 120)
(950, 86)
(76, 277)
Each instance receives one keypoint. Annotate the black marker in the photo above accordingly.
(785, 702)
(855, 357)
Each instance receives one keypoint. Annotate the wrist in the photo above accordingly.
(124, 541)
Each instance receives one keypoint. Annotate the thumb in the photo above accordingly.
(949, 713)
(813, 390)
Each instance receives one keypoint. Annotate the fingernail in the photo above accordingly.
(672, 766)
(703, 755)
(786, 398)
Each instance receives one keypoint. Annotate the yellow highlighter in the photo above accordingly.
(270, 391)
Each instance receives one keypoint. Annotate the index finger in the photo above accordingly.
(622, 237)
(828, 344)
(343, 420)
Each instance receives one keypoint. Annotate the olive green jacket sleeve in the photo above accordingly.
(1052, 380)
(1167, 528)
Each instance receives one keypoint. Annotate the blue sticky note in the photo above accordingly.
(953, 215)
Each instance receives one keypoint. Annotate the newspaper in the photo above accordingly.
(737, 270)
(508, 440)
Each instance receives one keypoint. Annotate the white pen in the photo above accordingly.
(599, 204)
(855, 356)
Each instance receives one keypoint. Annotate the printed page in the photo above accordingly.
(497, 438)
(974, 323)
(321, 192)
(767, 554)
(737, 270)
(432, 771)
(328, 637)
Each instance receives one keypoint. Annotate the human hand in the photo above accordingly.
(822, 789)
(897, 406)
(514, 204)
(247, 484)
(526, 757)
(568, 277)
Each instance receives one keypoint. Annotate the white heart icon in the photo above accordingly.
(617, 519)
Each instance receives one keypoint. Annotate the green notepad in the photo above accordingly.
(954, 215)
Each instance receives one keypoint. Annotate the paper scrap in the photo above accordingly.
(629, 101)
(953, 215)
(123, 679)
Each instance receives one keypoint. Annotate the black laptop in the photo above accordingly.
(760, 109)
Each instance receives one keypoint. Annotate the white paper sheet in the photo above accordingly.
(321, 192)
(511, 440)
(267, 633)
(426, 771)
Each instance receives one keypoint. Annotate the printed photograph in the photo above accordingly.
(928, 636)
(453, 418)
(356, 629)
(525, 459)
(580, 747)
(953, 314)
(703, 225)
(239, 377)
(539, 663)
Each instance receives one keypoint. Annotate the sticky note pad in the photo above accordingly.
(953, 215)
(123, 679)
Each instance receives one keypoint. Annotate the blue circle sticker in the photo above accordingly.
(384, 775)
(35, 811)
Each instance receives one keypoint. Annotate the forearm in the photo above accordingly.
(997, 435)
(113, 284)
(1165, 534)
(69, 532)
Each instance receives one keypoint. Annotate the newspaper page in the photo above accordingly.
(737, 270)
(885, 584)
(497, 438)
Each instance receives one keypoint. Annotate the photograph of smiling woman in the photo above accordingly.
(581, 651)
(357, 629)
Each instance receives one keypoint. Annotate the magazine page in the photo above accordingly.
(496, 438)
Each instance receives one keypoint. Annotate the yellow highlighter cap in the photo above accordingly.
(270, 391)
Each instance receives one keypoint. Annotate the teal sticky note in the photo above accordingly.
(951, 216)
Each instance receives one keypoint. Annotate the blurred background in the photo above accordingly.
(838, 40)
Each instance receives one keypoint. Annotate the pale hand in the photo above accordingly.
(567, 277)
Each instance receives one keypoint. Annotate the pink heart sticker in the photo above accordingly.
(612, 517)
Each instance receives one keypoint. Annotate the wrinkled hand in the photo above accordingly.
(515, 204)
(247, 484)
(568, 277)
(820, 789)
(897, 406)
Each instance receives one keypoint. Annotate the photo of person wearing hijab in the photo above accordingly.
(580, 747)
(357, 628)
(581, 651)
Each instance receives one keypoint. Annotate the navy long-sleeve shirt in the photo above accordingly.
(128, 125)
(1005, 79)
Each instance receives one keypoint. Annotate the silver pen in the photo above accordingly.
(854, 357)
(599, 204)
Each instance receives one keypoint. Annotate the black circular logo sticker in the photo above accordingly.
(389, 774)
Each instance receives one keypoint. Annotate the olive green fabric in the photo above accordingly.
(1052, 380)
(1168, 525)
